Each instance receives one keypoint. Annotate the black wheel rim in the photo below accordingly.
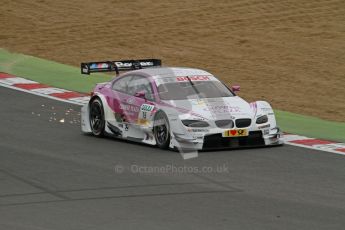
(161, 130)
(96, 118)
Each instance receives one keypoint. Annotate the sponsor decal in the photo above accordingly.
(182, 78)
(130, 108)
(130, 100)
(129, 64)
(264, 126)
(193, 78)
(223, 109)
(98, 66)
(197, 130)
(267, 110)
(198, 102)
(160, 81)
(103, 65)
(235, 133)
(143, 121)
(146, 108)
(93, 66)
(145, 114)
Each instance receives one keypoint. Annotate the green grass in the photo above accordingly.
(49, 72)
(69, 77)
(310, 126)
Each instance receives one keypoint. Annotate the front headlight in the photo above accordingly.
(195, 123)
(262, 119)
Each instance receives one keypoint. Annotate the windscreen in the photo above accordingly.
(197, 89)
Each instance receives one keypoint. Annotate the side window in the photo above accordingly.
(139, 83)
(121, 85)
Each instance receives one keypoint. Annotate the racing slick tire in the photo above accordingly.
(96, 115)
(161, 130)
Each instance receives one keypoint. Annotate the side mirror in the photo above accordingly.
(235, 88)
(140, 94)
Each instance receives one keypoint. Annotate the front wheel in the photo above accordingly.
(97, 122)
(161, 130)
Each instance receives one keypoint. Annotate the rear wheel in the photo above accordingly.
(161, 130)
(97, 122)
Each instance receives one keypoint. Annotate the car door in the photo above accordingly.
(126, 102)
(141, 92)
(119, 99)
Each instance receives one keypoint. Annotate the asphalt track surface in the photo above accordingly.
(54, 177)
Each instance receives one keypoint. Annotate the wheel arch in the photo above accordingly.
(108, 112)
(167, 143)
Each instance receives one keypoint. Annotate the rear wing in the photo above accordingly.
(117, 66)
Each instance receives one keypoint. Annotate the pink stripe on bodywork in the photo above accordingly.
(254, 107)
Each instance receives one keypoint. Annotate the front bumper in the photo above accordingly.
(209, 141)
(216, 141)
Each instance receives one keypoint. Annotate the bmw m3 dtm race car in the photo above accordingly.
(175, 107)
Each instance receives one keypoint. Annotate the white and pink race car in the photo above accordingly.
(179, 108)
